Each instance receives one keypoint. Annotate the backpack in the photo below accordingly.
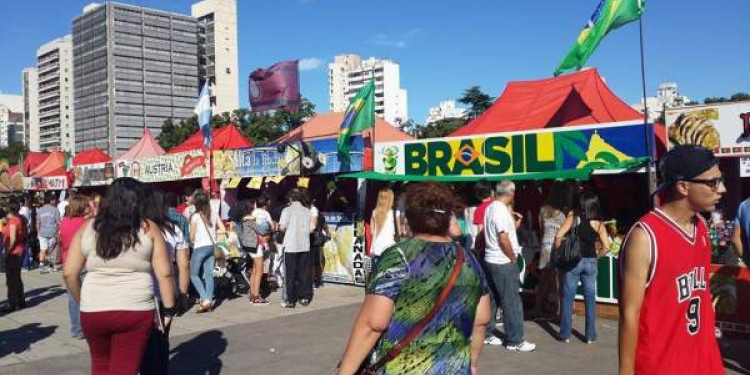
(247, 235)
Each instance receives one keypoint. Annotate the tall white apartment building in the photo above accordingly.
(11, 119)
(446, 110)
(30, 92)
(347, 75)
(55, 95)
(218, 49)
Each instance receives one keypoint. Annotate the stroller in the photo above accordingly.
(230, 274)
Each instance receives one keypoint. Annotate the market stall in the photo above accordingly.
(92, 167)
(50, 174)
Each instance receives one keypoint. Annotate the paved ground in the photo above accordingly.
(241, 339)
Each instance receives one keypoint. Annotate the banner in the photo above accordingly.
(275, 87)
(45, 183)
(94, 174)
(723, 128)
(344, 252)
(168, 167)
(511, 153)
(318, 157)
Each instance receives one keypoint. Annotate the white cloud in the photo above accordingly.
(396, 41)
(310, 63)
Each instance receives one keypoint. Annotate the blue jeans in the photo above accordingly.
(585, 272)
(75, 317)
(505, 279)
(203, 258)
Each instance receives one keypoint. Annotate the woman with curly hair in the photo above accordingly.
(120, 249)
(427, 287)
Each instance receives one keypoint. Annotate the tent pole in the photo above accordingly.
(651, 170)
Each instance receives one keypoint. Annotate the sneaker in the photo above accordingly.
(590, 342)
(258, 301)
(304, 302)
(44, 270)
(493, 340)
(288, 305)
(564, 341)
(523, 347)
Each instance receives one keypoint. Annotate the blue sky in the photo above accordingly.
(445, 46)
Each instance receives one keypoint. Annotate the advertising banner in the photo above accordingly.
(94, 174)
(45, 183)
(344, 252)
(723, 127)
(511, 153)
(292, 159)
(168, 167)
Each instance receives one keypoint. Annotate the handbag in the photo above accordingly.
(417, 329)
(218, 252)
(568, 254)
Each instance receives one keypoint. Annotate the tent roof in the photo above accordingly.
(91, 156)
(580, 98)
(326, 126)
(145, 147)
(224, 138)
(32, 160)
(54, 165)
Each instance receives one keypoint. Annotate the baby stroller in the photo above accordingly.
(230, 275)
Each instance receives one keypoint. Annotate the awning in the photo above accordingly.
(581, 174)
(224, 138)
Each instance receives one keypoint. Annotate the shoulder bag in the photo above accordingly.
(568, 254)
(218, 252)
(420, 326)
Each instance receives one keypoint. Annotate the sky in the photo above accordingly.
(445, 47)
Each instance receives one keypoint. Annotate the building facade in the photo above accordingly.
(55, 95)
(11, 119)
(30, 92)
(668, 95)
(217, 52)
(348, 74)
(134, 68)
(446, 110)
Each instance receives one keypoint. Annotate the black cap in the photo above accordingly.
(684, 162)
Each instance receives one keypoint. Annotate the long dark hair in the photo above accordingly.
(203, 205)
(119, 218)
(559, 197)
(588, 206)
(154, 208)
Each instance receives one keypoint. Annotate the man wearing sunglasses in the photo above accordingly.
(666, 317)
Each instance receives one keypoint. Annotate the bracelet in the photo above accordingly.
(169, 312)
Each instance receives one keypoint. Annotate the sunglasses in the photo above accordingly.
(712, 183)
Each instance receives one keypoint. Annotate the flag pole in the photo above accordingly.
(651, 171)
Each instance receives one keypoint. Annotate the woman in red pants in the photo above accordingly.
(119, 249)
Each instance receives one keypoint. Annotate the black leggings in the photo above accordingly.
(13, 281)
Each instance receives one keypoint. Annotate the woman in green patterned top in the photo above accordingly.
(405, 284)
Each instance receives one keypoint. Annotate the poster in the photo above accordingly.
(723, 127)
(344, 252)
(511, 153)
(745, 166)
(287, 159)
(45, 183)
(168, 167)
(94, 174)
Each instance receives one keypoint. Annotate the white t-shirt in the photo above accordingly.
(498, 219)
(385, 237)
(61, 207)
(262, 218)
(203, 233)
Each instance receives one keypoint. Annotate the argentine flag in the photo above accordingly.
(203, 110)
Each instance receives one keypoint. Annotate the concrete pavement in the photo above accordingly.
(242, 339)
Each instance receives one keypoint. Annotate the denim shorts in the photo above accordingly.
(47, 243)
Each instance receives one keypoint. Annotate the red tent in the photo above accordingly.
(91, 156)
(225, 138)
(32, 160)
(580, 98)
(54, 165)
(327, 126)
(146, 146)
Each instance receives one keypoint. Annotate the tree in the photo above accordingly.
(477, 101)
(440, 128)
(12, 153)
(738, 97)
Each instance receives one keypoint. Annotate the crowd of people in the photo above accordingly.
(445, 278)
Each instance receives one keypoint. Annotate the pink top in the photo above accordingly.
(68, 228)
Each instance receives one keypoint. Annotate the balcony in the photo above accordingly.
(48, 67)
(45, 117)
(48, 77)
(48, 86)
(54, 103)
(48, 95)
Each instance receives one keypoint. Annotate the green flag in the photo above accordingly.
(359, 116)
(609, 15)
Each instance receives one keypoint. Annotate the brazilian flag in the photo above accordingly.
(359, 115)
(609, 15)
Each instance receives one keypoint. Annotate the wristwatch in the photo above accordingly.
(169, 312)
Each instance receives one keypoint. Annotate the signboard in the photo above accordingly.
(723, 128)
(168, 167)
(93, 174)
(511, 153)
(45, 183)
(320, 157)
(344, 252)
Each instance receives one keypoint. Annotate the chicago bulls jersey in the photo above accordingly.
(676, 329)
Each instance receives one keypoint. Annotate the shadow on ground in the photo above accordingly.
(19, 340)
(199, 355)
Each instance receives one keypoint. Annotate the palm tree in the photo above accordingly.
(477, 101)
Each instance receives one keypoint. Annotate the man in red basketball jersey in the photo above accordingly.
(666, 316)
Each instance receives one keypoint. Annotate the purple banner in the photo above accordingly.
(275, 88)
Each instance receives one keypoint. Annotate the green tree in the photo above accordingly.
(440, 128)
(12, 153)
(740, 96)
(477, 101)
